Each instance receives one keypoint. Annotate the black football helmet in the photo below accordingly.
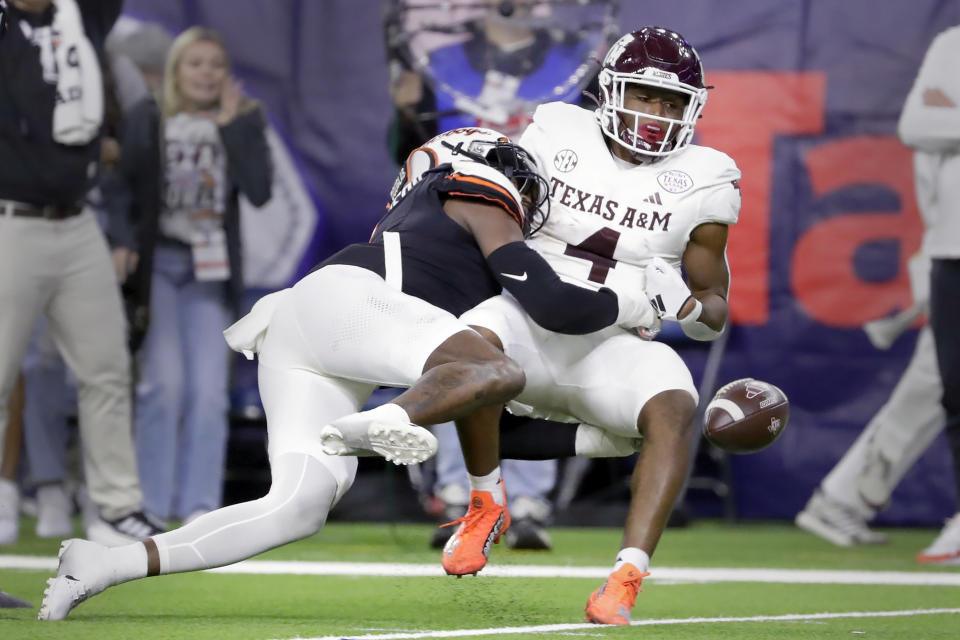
(652, 57)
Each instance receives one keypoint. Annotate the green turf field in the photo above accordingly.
(280, 605)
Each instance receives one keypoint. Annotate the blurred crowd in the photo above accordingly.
(125, 154)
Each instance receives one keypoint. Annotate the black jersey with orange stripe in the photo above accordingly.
(439, 260)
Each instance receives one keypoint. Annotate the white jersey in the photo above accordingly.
(609, 218)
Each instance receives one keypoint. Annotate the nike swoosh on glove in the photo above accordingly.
(665, 288)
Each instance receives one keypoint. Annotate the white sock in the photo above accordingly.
(594, 442)
(635, 556)
(127, 562)
(490, 482)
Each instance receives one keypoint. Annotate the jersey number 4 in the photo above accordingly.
(598, 249)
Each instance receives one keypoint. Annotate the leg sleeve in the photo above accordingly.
(301, 495)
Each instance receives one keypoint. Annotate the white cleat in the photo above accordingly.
(836, 522)
(398, 442)
(81, 575)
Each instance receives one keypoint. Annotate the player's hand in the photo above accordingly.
(636, 313)
(649, 333)
(665, 288)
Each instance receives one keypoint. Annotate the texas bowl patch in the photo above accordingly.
(675, 181)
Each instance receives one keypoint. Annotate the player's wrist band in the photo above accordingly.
(693, 328)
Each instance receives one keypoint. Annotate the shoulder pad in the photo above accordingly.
(561, 114)
(475, 180)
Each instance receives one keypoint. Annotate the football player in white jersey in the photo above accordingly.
(632, 201)
(382, 313)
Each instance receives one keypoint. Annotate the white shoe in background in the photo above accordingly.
(9, 512)
(836, 522)
(54, 508)
(129, 528)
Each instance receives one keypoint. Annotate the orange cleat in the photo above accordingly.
(482, 526)
(611, 603)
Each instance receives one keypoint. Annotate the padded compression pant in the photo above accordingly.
(301, 496)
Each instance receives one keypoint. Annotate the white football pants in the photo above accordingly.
(602, 378)
(902, 429)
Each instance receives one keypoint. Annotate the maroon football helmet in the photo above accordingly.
(652, 57)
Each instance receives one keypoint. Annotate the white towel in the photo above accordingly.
(78, 113)
(247, 334)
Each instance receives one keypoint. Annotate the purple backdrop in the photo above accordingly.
(320, 69)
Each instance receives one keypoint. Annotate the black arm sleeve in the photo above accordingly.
(552, 303)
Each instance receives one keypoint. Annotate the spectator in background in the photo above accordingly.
(506, 65)
(205, 145)
(930, 122)
(50, 397)
(861, 483)
(53, 258)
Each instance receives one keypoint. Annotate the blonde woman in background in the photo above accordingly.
(204, 146)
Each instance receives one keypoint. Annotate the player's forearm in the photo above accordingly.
(715, 310)
(706, 319)
(551, 303)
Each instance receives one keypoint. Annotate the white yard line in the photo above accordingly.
(664, 574)
(548, 628)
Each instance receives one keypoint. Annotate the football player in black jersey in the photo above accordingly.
(381, 314)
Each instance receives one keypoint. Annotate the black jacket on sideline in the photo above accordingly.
(33, 167)
(248, 171)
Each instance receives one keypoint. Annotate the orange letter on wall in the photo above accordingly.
(822, 273)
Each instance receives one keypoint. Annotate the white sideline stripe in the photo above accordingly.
(665, 574)
(547, 628)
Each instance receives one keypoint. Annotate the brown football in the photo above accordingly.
(746, 415)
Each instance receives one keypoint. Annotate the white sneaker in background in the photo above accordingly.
(82, 573)
(9, 512)
(54, 508)
(837, 523)
(130, 528)
(528, 527)
(946, 548)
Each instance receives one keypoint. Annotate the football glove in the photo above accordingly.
(635, 312)
(665, 288)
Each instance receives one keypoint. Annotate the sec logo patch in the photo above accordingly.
(565, 160)
(675, 181)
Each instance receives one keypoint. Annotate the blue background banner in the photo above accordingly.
(807, 97)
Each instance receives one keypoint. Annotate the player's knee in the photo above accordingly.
(505, 379)
(672, 411)
(300, 515)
